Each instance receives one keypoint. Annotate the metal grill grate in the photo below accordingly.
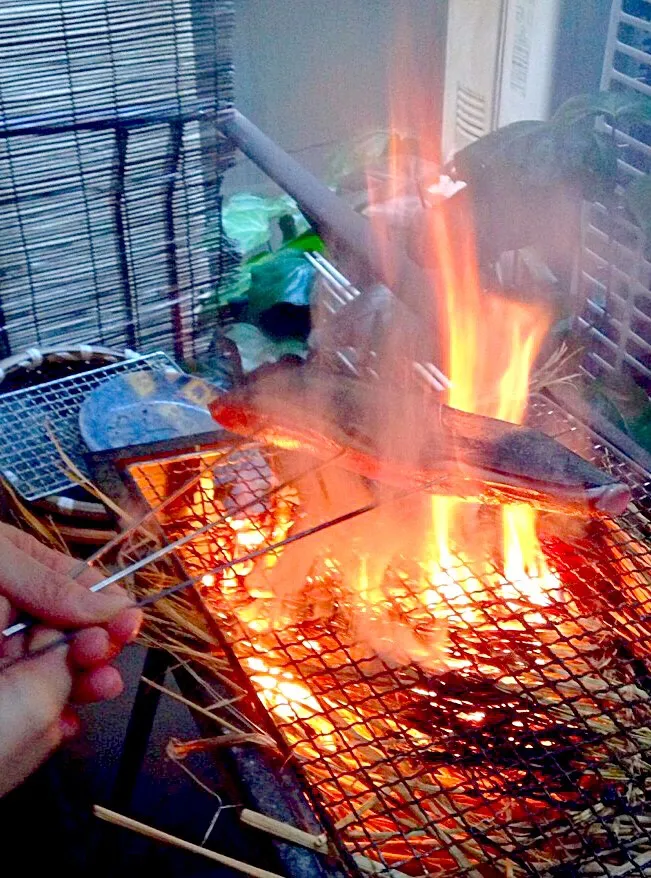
(28, 458)
(529, 755)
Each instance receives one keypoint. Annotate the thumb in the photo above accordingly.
(33, 695)
(51, 596)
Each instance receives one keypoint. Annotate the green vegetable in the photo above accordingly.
(625, 404)
(524, 179)
(284, 277)
(247, 220)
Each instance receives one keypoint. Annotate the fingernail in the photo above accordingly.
(102, 605)
(126, 626)
(137, 617)
(42, 638)
(111, 601)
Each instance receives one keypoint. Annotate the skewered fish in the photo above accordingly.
(430, 445)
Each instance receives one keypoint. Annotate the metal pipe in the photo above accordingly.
(335, 220)
(171, 256)
(120, 225)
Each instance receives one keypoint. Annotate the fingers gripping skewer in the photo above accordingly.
(151, 599)
(194, 580)
(24, 625)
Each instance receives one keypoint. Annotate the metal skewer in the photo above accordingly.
(26, 624)
(219, 568)
(342, 293)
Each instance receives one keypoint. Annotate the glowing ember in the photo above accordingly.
(438, 770)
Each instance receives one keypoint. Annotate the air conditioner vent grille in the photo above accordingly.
(471, 113)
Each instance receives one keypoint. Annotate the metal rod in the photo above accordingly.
(117, 199)
(335, 220)
(171, 590)
(171, 170)
(330, 282)
(343, 281)
(343, 292)
(195, 580)
(26, 624)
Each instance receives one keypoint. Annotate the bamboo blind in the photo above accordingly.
(102, 226)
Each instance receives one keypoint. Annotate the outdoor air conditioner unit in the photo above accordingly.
(500, 65)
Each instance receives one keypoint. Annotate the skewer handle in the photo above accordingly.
(317, 843)
(286, 831)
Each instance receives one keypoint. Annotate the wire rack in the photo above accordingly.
(28, 457)
(614, 271)
(530, 753)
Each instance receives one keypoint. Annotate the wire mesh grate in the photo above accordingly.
(527, 753)
(28, 457)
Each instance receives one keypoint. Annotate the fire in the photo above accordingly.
(491, 343)
(398, 578)
(289, 699)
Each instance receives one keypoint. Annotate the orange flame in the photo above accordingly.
(492, 343)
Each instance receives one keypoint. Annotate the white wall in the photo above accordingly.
(312, 73)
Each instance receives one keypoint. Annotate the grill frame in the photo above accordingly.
(116, 467)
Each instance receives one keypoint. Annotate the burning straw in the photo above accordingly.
(462, 696)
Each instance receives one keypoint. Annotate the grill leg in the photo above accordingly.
(139, 729)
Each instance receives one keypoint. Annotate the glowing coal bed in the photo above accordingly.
(515, 743)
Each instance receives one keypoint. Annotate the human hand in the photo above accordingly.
(35, 694)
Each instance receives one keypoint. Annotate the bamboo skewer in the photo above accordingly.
(317, 843)
(164, 837)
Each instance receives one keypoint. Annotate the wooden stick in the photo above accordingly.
(286, 831)
(166, 838)
(316, 843)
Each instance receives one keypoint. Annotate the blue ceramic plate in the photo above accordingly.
(147, 406)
